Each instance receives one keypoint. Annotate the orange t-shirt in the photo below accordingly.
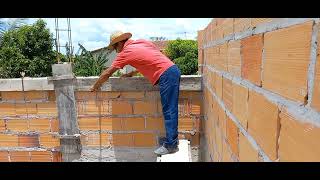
(145, 57)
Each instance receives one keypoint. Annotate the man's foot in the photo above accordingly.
(163, 150)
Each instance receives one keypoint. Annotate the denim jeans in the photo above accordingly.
(169, 83)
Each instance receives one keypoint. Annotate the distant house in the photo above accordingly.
(126, 69)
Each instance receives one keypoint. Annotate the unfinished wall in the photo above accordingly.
(29, 127)
(129, 111)
(261, 89)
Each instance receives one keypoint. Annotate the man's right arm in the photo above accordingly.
(103, 77)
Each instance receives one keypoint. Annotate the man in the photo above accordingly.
(158, 69)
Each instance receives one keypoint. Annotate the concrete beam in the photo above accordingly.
(188, 83)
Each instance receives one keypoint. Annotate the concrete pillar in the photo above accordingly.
(63, 80)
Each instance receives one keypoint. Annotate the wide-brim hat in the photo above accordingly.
(117, 37)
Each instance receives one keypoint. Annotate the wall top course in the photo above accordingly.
(188, 83)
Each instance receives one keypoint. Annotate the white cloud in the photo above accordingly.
(94, 33)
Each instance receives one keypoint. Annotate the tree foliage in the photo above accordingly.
(184, 53)
(27, 48)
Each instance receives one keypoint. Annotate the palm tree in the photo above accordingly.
(10, 24)
(87, 64)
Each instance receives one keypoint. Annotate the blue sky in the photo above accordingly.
(93, 33)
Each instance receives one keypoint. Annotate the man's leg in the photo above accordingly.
(169, 91)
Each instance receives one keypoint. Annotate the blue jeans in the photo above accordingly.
(169, 83)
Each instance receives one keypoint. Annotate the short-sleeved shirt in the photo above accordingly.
(145, 57)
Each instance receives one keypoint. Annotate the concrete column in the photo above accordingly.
(63, 80)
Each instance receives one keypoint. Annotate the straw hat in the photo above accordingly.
(117, 37)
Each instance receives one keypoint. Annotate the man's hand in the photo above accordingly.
(103, 78)
(94, 88)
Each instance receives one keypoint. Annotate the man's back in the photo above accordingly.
(145, 57)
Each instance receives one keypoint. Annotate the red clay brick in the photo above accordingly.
(214, 56)
(227, 93)
(112, 124)
(20, 156)
(28, 140)
(41, 156)
(135, 95)
(145, 107)
(84, 95)
(222, 120)
(263, 123)
(246, 152)
(227, 26)
(240, 104)
(7, 109)
(241, 24)
(257, 21)
(49, 141)
(252, 58)
(119, 140)
(196, 107)
(144, 140)
(226, 154)
(28, 95)
(54, 125)
(20, 125)
(315, 103)
(232, 136)
(4, 156)
(299, 141)
(185, 124)
(39, 125)
(91, 107)
(12, 96)
(155, 124)
(51, 95)
(121, 107)
(7, 140)
(218, 85)
(234, 58)
(219, 142)
(287, 57)
(133, 124)
(93, 140)
(89, 123)
(221, 61)
(49, 109)
(24, 109)
(56, 156)
(2, 125)
(36, 95)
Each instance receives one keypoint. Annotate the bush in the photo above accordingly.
(184, 53)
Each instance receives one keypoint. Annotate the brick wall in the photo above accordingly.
(130, 116)
(261, 89)
(133, 119)
(29, 127)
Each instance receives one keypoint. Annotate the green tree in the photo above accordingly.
(184, 53)
(11, 24)
(27, 48)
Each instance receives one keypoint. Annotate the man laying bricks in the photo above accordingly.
(158, 69)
